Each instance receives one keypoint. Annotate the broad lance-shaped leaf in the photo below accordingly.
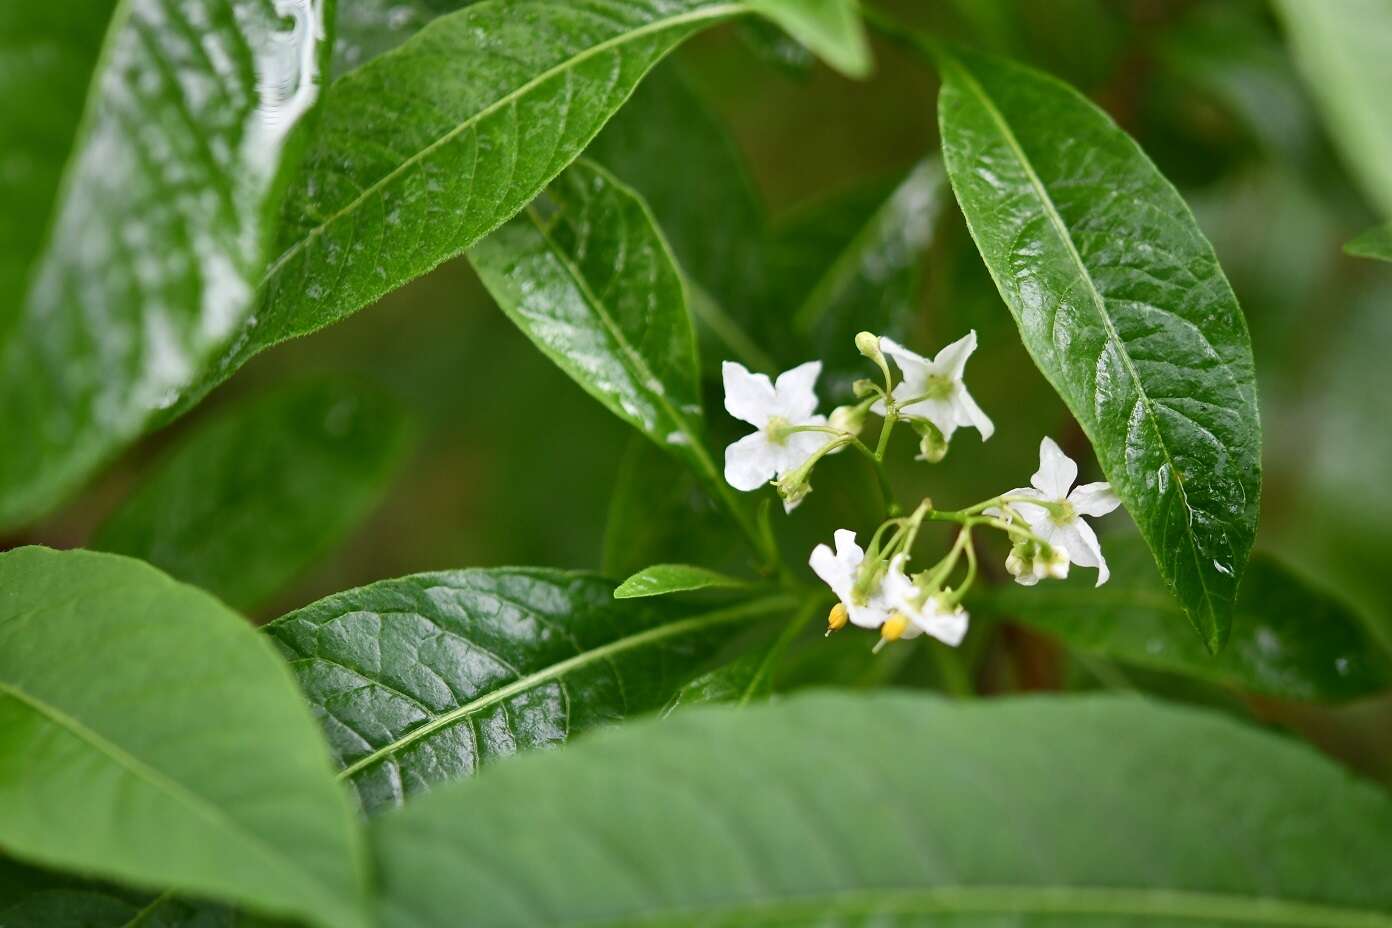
(669, 146)
(1289, 639)
(423, 679)
(586, 275)
(150, 735)
(429, 147)
(144, 263)
(1342, 50)
(900, 809)
(250, 499)
(1375, 243)
(1121, 302)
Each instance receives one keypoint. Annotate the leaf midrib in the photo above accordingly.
(1100, 305)
(151, 775)
(716, 11)
(561, 669)
(1128, 902)
(633, 358)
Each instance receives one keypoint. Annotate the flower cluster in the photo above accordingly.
(874, 586)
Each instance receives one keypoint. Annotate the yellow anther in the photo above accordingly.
(894, 627)
(836, 619)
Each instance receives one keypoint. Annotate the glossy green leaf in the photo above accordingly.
(901, 809)
(423, 679)
(149, 735)
(661, 579)
(47, 53)
(426, 149)
(668, 146)
(1121, 302)
(853, 264)
(1289, 639)
(1342, 50)
(1375, 243)
(832, 29)
(587, 276)
(256, 495)
(146, 263)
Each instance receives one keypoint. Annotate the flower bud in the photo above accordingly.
(863, 388)
(932, 447)
(848, 419)
(1052, 562)
(868, 344)
(794, 488)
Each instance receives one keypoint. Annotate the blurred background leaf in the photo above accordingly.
(255, 495)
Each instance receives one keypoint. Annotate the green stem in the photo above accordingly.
(775, 651)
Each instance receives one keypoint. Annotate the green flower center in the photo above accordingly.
(778, 430)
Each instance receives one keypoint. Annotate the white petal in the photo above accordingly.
(832, 571)
(750, 462)
(1079, 540)
(914, 366)
(939, 412)
(748, 397)
(948, 627)
(847, 551)
(953, 359)
(968, 413)
(796, 398)
(1094, 499)
(1057, 471)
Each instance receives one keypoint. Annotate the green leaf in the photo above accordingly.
(1121, 302)
(426, 149)
(149, 735)
(423, 679)
(34, 898)
(256, 495)
(900, 809)
(661, 579)
(668, 146)
(861, 255)
(1374, 243)
(832, 29)
(587, 276)
(1342, 50)
(142, 262)
(1289, 639)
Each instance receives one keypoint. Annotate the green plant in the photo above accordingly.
(186, 189)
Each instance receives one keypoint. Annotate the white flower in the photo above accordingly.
(934, 614)
(942, 397)
(774, 409)
(839, 571)
(1057, 519)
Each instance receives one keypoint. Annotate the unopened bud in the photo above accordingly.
(932, 447)
(837, 618)
(1053, 562)
(863, 388)
(849, 419)
(793, 489)
(868, 344)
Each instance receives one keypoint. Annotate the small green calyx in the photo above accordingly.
(1061, 512)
